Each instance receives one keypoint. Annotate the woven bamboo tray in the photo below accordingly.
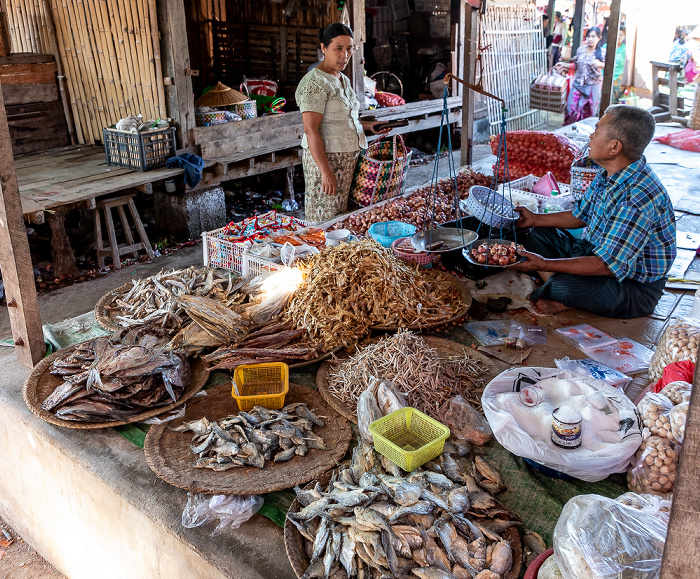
(465, 299)
(40, 384)
(103, 314)
(444, 347)
(298, 559)
(169, 455)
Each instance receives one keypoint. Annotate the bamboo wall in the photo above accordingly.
(110, 54)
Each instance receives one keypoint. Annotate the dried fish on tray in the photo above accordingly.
(420, 372)
(370, 519)
(153, 300)
(255, 437)
(355, 286)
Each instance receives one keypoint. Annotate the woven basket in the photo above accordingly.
(424, 258)
(246, 109)
(381, 171)
(206, 119)
(489, 207)
(694, 118)
(548, 92)
(581, 179)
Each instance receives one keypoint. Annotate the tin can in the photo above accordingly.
(566, 427)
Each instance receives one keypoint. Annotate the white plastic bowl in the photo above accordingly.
(337, 237)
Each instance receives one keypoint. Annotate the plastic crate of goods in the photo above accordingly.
(253, 265)
(408, 438)
(138, 151)
(524, 186)
(224, 247)
(263, 385)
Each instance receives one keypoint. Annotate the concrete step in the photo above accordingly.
(89, 504)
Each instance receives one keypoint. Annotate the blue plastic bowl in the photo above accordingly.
(387, 232)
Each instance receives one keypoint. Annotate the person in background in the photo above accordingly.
(584, 96)
(546, 32)
(333, 132)
(620, 57)
(558, 38)
(681, 54)
(619, 268)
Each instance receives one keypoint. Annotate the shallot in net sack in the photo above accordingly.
(601, 538)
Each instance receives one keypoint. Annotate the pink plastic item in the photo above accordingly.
(546, 185)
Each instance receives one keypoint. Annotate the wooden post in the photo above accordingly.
(681, 554)
(15, 258)
(550, 14)
(471, 33)
(61, 251)
(613, 28)
(175, 60)
(357, 63)
(578, 26)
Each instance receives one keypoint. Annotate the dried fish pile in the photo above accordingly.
(113, 379)
(354, 286)
(275, 342)
(425, 378)
(373, 521)
(255, 437)
(154, 300)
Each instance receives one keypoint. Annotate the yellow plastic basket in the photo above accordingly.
(409, 438)
(261, 385)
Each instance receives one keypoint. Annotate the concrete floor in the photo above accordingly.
(87, 501)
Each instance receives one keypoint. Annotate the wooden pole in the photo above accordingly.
(357, 63)
(550, 15)
(578, 26)
(471, 33)
(681, 554)
(613, 28)
(15, 258)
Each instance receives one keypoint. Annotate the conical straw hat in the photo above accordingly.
(220, 96)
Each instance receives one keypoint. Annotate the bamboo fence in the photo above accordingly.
(517, 55)
(110, 52)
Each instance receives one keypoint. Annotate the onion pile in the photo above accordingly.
(496, 253)
(411, 209)
(535, 153)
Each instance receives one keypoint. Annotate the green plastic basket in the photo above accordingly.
(409, 438)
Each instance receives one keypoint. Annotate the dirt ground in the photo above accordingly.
(19, 561)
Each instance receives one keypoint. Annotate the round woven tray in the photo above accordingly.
(40, 384)
(444, 347)
(103, 314)
(298, 559)
(169, 455)
(465, 299)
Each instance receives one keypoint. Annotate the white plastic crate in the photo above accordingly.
(253, 265)
(525, 184)
(219, 252)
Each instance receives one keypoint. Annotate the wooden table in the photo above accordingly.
(668, 112)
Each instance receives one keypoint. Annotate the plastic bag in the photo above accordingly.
(489, 333)
(626, 355)
(593, 369)
(678, 416)
(600, 538)
(655, 409)
(550, 569)
(586, 337)
(687, 140)
(513, 429)
(678, 391)
(230, 510)
(679, 342)
(654, 505)
(674, 372)
(528, 334)
(465, 422)
(654, 469)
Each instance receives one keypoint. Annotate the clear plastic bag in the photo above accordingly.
(678, 416)
(465, 422)
(625, 355)
(593, 369)
(678, 391)
(230, 510)
(586, 336)
(654, 505)
(655, 410)
(654, 470)
(600, 538)
(679, 342)
(489, 333)
(528, 334)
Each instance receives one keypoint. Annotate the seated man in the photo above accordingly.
(618, 269)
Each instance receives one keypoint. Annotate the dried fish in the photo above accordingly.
(255, 437)
(353, 286)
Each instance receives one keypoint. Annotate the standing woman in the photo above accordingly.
(584, 97)
(333, 132)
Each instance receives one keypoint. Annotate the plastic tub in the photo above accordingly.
(534, 568)
(261, 385)
(423, 258)
(386, 232)
(409, 438)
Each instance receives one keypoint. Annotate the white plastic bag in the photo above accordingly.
(583, 463)
(679, 342)
(593, 369)
(626, 355)
(600, 538)
(678, 391)
(655, 410)
(655, 467)
(231, 510)
(679, 415)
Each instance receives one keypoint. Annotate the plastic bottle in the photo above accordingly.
(552, 205)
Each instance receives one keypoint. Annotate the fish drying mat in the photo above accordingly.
(105, 313)
(169, 455)
(445, 348)
(465, 297)
(40, 384)
(299, 560)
